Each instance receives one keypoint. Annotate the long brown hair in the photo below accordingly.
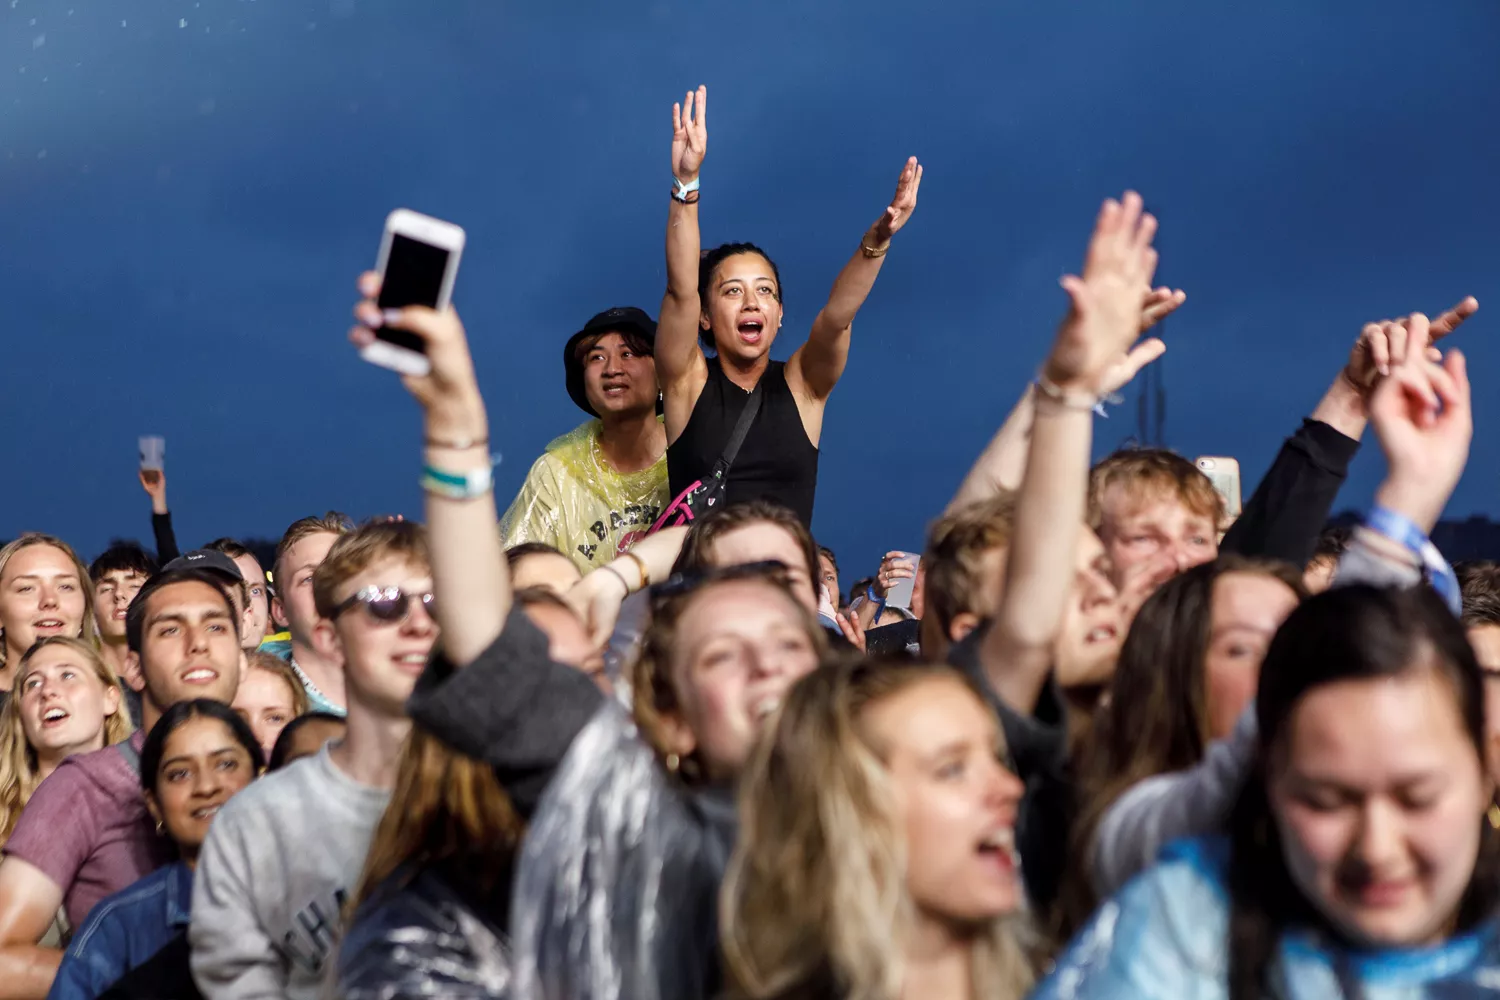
(1155, 718)
(448, 811)
(814, 901)
(20, 771)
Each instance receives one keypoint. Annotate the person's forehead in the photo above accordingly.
(1146, 501)
(188, 596)
(392, 571)
(39, 560)
(121, 576)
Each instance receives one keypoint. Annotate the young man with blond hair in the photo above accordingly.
(283, 856)
(302, 548)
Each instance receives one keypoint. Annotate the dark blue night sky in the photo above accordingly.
(189, 187)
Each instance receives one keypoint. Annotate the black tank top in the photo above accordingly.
(777, 462)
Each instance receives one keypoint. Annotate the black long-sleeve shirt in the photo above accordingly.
(166, 538)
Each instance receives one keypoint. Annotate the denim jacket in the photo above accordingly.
(123, 931)
(1165, 935)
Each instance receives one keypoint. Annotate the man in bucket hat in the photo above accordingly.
(596, 490)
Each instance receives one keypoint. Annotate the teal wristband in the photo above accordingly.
(458, 486)
(680, 191)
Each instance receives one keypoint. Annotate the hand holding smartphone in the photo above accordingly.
(418, 265)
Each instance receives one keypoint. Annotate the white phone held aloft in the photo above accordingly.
(418, 266)
(1224, 473)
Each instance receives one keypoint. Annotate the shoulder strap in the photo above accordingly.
(132, 756)
(741, 428)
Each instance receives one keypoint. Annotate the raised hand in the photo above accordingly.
(903, 203)
(1159, 304)
(1383, 346)
(896, 566)
(689, 135)
(1106, 310)
(449, 392)
(1422, 415)
(597, 599)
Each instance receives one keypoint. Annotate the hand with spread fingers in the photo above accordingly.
(1106, 304)
(1422, 415)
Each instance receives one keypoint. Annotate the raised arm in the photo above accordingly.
(1287, 512)
(817, 364)
(1103, 319)
(679, 359)
(1001, 465)
(468, 565)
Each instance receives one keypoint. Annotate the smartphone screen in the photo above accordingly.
(413, 277)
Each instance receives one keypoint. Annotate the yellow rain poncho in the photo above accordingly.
(572, 499)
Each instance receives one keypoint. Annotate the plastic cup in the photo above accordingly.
(153, 453)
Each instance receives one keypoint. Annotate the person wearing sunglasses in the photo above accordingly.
(282, 858)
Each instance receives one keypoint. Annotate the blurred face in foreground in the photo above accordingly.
(955, 802)
(740, 645)
(1379, 795)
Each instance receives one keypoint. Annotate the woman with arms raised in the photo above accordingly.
(730, 298)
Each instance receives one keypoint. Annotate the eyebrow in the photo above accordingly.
(759, 277)
(179, 616)
(69, 575)
(189, 757)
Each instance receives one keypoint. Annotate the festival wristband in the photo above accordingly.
(879, 602)
(1404, 531)
(458, 485)
(680, 191)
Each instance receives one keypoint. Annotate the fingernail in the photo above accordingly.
(391, 317)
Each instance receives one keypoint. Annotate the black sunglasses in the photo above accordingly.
(386, 605)
(683, 583)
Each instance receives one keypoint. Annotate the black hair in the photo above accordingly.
(229, 547)
(173, 719)
(709, 262)
(516, 553)
(127, 557)
(1349, 633)
(1333, 542)
(135, 616)
(283, 747)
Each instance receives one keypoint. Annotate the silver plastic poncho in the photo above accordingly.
(616, 894)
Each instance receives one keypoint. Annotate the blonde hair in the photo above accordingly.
(814, 900)
(89, 630)
(20, 772)
(1145, 473)
(362, 548)
(273, 664)
(654, 694)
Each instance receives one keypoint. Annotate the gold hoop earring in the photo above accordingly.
(673, 762)
(1493, 815)
(160, 832)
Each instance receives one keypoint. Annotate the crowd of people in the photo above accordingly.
(1098, 741)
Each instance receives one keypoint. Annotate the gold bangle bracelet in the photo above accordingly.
(874, 252)
(640, 564)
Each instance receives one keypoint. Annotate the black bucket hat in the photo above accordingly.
(616, 320)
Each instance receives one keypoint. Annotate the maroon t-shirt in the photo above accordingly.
(87, 829)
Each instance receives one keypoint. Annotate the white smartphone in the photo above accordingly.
(1224, 473)
(900, 594)
(418, 265)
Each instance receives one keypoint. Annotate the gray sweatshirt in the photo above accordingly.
(1187, 803)
(279, 862)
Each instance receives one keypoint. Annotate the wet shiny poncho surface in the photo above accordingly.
(617, 893)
